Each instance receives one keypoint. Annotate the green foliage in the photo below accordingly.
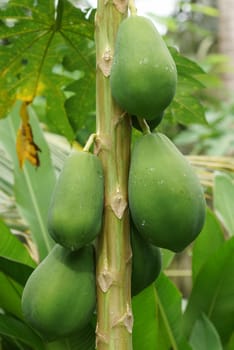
(202, 249)
(161, 320)
(48, 54)
(212, 293)
(37, 36)
(223, 201)
(204, 335)
(32, 188)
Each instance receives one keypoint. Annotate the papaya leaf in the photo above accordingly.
(12, 249)
(212, 293)
(186, 107)
(202, 249)
(230, 344)
(15, 260)
(223, 201)
(204, 335)
(157, 322)
(10, 296)
(15, 329)
(83, 339)
(33, 187)
(35, 37)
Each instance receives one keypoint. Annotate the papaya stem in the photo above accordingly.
(144, 126)
(89, 142)
(113, 273)
(132, 7)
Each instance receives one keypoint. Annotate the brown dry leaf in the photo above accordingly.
(25, 146)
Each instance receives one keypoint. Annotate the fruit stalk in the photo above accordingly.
(114, 315)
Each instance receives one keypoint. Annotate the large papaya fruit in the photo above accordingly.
(143, 75)
(59, 296)
(75, 213)
(146, 262)
(165, 196)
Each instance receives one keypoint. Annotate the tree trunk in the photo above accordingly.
(114, 315)
(226, 42)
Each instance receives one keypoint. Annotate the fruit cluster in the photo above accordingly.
(166, 200)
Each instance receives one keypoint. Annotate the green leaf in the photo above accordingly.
(16, 329)
(205, 10)
(202, 247)
(11, 248)
(157, 317)
(37, 36)
(82, 102)
(223, 201)
(230, 345)
(186, 107)
(212, 292)
(184, 65)
(204, 335)
(33, 187)
(10, 296)
(17, 271)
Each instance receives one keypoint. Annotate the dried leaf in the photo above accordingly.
(25, 145)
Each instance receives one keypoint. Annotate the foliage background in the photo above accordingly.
(47, 59)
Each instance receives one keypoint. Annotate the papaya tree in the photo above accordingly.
(98, 200)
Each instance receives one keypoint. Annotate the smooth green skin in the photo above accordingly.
(143, 76)
(166, 198)
(146, 262)
(75, 214)
(59, 296)
(151, 123)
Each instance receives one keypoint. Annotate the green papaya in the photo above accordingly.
(166, 199)
(75, 213)
(59, 297)
(146, 262)
(143, 75)
(151, 123)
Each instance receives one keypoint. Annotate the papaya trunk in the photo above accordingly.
(114, 315)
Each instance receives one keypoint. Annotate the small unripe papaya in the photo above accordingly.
(146, 262)
(59, 297)
(166, 199)
(75, 214)
(143, 75)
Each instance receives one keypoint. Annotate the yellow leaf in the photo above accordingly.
(25, 145)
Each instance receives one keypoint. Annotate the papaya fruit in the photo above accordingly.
(146, 262)
(143, 76)
(75, 213)
(166, 199)
(59, 297)
(152, 124)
